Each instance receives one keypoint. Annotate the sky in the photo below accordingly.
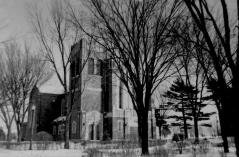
(14, 20)
(15, 24)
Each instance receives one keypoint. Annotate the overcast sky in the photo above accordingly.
(15, 19)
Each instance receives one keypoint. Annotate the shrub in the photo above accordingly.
(178, 138)
(2, 135)
(43, 136)
(159, 152)
(94, 152)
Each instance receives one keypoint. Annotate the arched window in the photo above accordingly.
(73, 127)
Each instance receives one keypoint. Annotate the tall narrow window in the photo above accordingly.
(77, 66)
(73, 69)
(99, 67)
(91, 66)
(98, 132)
(120, 95)
(73, 127)
(91, 131)
(120, 126)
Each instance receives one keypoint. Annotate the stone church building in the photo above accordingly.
(100, 107)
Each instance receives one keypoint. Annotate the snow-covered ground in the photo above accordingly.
(213, 152)
(77, 153)
(41, 153)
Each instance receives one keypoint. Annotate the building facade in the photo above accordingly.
(100, 107)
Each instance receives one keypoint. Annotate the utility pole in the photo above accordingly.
(32, 124)
(152, 129)
(124, 124)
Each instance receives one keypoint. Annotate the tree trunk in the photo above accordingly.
(223, 130)
(160, 132)
(8, 136)
(236, 137)
(19, 134)
(144, 137)
(67, 122)
(233, 115)
(196, 130)
(139, 127)
(185, 127)
(67, 142)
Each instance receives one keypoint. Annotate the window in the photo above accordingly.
(72, 69)
(99, 67)
(98, 132)
(120, 95)
(73, 127)
(120, 125)
(91, 131)
(77, 66)
(91, 66)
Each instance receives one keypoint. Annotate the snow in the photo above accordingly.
(59, 119)
(42, 153)
(213, 152)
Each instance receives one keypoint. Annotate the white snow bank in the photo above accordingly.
(42, 153)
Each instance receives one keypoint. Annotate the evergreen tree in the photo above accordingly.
(178, 94)
(190, 105)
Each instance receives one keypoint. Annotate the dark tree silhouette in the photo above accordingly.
(178, 95)
(187, 103)
(136, 37)
(193, 48)
(222, 53)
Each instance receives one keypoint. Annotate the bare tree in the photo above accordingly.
(5, 110)
(193, 43)
(223, 54)
(20, 71)
(135, 37)
(55, 35)
(7, 116)
(193, 75)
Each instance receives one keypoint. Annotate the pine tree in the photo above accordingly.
(187, 102)
(178, 94)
